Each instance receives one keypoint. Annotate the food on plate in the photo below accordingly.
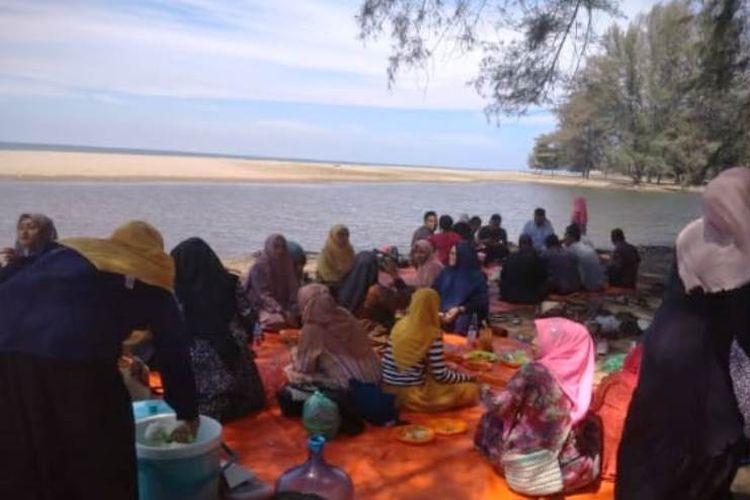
(448, 426)
(516, 358)
(415, 434)
(490, 357)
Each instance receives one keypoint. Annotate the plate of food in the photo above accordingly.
(415, 434)
(448, 426)
(490, 357)
(515, 358)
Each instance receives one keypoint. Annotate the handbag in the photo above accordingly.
(535, 474)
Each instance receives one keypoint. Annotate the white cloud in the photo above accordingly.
(282, 50)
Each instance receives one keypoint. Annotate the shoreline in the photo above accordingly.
(65, 166)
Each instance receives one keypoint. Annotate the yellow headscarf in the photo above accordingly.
(135, 249)
(335, 262)
(412, 336)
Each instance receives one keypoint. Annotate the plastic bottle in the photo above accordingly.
(320, 415)
(317, 477)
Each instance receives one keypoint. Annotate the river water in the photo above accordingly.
(236, 218)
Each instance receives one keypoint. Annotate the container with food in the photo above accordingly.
(414, 434)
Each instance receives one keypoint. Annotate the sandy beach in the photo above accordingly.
(32, 165)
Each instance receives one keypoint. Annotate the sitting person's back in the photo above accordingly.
(623, 270)
(542, 415)
(523, 278)
(562, 268)
(589, 265)
(333, 347)
(445, 239)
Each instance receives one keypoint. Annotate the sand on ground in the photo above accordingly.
(71, 166)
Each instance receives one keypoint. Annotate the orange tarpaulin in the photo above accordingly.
(380, 466)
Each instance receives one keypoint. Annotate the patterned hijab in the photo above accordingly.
(335, 262)
(713, 252)
(328, 327)
(414, 333)
(47, 234)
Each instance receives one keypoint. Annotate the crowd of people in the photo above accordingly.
(69, 306)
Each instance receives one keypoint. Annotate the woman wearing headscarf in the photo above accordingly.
(413, 364)
(226, 377)
(272, 286)
(611, 401)
(539, 421)
(67, 421)
(426, 263)
(35, 235)
(333, 348)
(463, 289)
(337, 257)
(580, 214)
(683, 434)
(373, 303)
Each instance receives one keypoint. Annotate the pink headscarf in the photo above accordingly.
(567, 351)
(427, 271)
(580, 213)
(713, 252)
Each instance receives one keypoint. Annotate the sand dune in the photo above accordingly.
(65, 165)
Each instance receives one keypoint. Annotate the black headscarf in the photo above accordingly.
(353, 290)
(207, 293)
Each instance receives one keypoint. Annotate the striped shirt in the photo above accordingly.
(417, 374)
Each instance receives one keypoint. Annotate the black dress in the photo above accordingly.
(66, 423)
(683, 434)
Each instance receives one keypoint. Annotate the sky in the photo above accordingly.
(271, 78)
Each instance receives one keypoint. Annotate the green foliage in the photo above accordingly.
(667, 98)
(523, 42)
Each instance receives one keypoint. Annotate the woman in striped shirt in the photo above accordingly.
(333, 347)
(413, 365)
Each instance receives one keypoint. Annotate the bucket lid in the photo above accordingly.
(208, 439)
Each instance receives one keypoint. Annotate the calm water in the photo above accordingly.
(235, 219)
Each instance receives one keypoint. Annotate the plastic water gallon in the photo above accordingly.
(185, 472)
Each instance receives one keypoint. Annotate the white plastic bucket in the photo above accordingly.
(189, 472)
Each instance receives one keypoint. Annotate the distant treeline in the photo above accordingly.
(666, 99)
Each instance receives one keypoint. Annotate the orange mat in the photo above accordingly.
(380, 466)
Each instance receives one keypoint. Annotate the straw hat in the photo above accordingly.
(135, 249)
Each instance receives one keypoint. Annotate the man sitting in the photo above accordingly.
(427, 229)
(494, 240)
(562, 268)
(589, 265)
(538, 229)
(523, 278)
(623, 269)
